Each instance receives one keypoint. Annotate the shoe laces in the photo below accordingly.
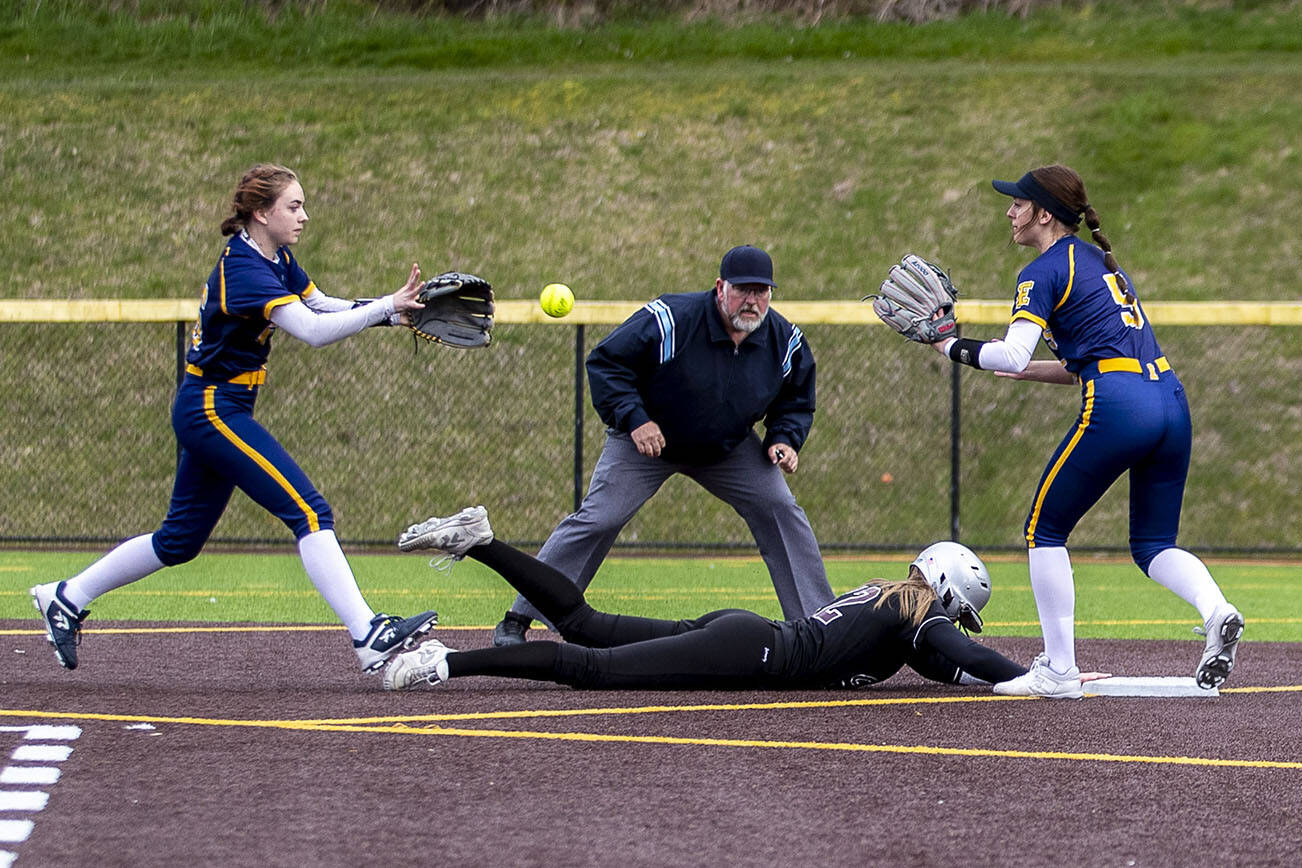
(444, 563)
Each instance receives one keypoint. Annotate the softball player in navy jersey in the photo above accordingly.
(256, 287)
(861, 637)
(1133, 417)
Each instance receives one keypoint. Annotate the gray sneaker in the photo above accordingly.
(1043, 681)
(426, 664)
(1223, 630)
(454, 535)
(62, 621)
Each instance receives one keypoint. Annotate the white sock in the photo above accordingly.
(329, 571)
(1055, 599)
(131, 560)
(1187, 577)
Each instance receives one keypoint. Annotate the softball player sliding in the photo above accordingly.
(256, 287)
(861, 637)
(1133, 417)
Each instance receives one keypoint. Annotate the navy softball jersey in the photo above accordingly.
(1133, 414)
(851, 642)
(222, 447)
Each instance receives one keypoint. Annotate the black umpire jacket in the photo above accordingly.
(673, 363)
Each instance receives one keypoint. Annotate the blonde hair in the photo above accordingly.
(914, 594)
(258, 190)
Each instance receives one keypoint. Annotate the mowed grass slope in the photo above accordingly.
(623, 159)
(1113, 599)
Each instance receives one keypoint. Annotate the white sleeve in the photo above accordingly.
(1014, 352)
(322, 303)
(320, 329)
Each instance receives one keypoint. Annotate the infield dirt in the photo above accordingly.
(268, 748)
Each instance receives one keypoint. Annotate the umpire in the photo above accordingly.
(680, 386)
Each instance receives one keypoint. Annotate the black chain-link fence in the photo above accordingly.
(391, 435)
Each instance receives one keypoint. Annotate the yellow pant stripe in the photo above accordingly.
(210, 410)
(1057, 465)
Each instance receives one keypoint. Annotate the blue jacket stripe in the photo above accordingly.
(792, 345)
(665, 322)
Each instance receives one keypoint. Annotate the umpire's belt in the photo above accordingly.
(1130, 366)
(248, 378)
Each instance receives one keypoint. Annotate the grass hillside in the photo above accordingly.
(623, 157)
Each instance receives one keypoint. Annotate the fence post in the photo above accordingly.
(955, 444)
(578, 416)
(180, 368)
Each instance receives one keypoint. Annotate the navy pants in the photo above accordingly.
(1134, 422)
(223, 448)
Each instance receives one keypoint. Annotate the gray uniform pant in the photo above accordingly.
(745, 479)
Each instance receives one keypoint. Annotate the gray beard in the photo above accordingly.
(747, 326)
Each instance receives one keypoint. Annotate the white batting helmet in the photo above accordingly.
(959, 579)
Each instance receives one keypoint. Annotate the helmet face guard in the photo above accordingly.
(960, 580)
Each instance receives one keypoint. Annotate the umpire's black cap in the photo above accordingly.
(746, 264)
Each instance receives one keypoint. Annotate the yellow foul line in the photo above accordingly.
(399, 729)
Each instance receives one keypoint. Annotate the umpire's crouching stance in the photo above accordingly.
(680, 385)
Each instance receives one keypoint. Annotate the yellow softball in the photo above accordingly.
(556, 299)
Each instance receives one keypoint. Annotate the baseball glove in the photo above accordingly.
(458, 311)
(917, 300)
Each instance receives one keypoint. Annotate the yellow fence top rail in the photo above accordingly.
(975, 311)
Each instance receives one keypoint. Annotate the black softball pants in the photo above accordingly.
(730, 648)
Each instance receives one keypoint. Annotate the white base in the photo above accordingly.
(1149, 685)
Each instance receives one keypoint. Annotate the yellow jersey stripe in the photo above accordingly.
(221, 270)
(1026, 314)
(210, 410)
(1057, 465)
(277, 302)
(1071, 275)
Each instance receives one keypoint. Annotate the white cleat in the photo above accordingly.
(454, 535)
(1223, 630)
(1043, 681)
(427, 663)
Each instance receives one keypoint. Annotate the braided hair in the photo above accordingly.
(1069, 189)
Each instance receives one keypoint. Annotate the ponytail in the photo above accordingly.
(1066, 186)
(256, 191)
(1109, 260)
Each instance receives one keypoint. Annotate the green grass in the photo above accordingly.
(623, 160)
(1113, 600)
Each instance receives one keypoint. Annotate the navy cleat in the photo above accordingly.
(390, 635)
(62, 621)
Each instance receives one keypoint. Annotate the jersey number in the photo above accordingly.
(1131, 315)
(857, 597)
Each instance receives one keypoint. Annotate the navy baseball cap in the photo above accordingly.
(1026, 187)
(746, 264)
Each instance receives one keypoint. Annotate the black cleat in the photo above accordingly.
(511, 630)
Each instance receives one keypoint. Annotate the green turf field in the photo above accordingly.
(1113, 599)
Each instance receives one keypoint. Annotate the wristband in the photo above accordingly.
(966, 351)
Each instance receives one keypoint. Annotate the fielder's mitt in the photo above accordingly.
(458, 310)
(917, 300)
